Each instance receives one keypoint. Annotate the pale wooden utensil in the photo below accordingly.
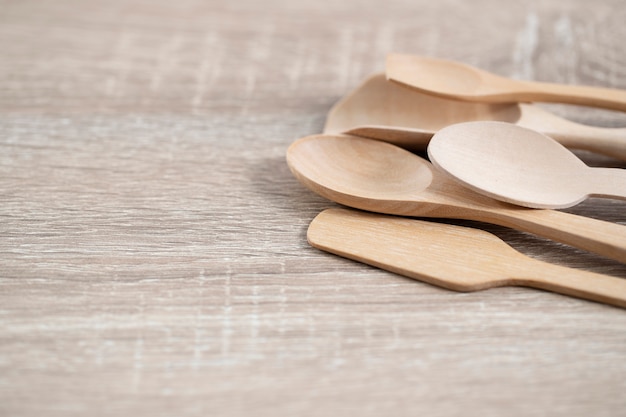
(378, 176)
(463, 82)
(406, 117)
(454, 257)
(520, 166)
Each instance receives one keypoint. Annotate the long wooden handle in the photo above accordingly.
(606, 98)
(606, 141)
(597, 236)
(609, 182)
(574, 282)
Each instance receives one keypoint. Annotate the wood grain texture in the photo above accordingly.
(453, 79)
(373, 175)
(385, 110)
(451, 256)
(153, 257)
(520, 166)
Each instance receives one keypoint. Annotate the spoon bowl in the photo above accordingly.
(377, 176)
(520, 166)
(383, 110)
(372, 180)
(463, 82)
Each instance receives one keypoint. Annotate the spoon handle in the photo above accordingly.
(606, 141)
(601, 237)
(607, 98)
(609, 182)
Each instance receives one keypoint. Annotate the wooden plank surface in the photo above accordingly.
(153, 258)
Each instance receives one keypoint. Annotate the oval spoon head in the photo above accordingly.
(510, 163)
(356, 171)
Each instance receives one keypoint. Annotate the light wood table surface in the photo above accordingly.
(153, 259)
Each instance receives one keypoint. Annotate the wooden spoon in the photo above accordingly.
(463, 82)
(406, 117)
(520, 166)
(378, 176)
(453, 257)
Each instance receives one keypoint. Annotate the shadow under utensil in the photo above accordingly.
(273, 184)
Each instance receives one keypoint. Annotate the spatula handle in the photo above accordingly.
(607, 98)
(577, 283)
(453, 257)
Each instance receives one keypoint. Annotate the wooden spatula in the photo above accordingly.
(453, 257)
(463, 82)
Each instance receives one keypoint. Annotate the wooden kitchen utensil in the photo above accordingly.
(454, 257)
(378, 176)
(463, 82)
(408, 118)
(520, 166)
